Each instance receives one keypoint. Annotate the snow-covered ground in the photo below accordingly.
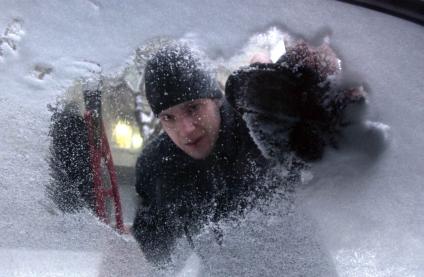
(357, 216)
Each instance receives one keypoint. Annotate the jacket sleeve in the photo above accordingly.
(154, 227)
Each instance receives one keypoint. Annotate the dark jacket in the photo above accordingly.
(179, 193)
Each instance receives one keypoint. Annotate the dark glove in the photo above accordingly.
(292, 105)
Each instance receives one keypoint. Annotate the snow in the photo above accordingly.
(16, 262)
(357, 216)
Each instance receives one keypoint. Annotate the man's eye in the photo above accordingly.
(193, 108)
(166, 118)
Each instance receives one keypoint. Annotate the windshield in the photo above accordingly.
(355, 210)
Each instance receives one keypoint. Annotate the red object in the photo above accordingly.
(99, 148)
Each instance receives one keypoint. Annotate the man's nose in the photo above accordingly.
(186, 126)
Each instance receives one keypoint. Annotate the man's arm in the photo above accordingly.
(154, 227)
(298, 98)
(155, 234)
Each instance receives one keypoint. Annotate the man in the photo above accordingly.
(206, 166)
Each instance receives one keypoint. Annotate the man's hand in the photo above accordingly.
(299, 98)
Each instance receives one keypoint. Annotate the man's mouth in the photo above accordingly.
(194, 142)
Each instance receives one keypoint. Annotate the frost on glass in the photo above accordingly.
(273, 125)
(129, 125)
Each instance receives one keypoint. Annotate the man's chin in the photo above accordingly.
(197, 155)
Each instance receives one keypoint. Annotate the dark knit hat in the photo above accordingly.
(175, 75)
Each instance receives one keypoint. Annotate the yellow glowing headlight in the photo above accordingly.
(125, 136)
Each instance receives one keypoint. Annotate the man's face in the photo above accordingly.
(193, 126)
